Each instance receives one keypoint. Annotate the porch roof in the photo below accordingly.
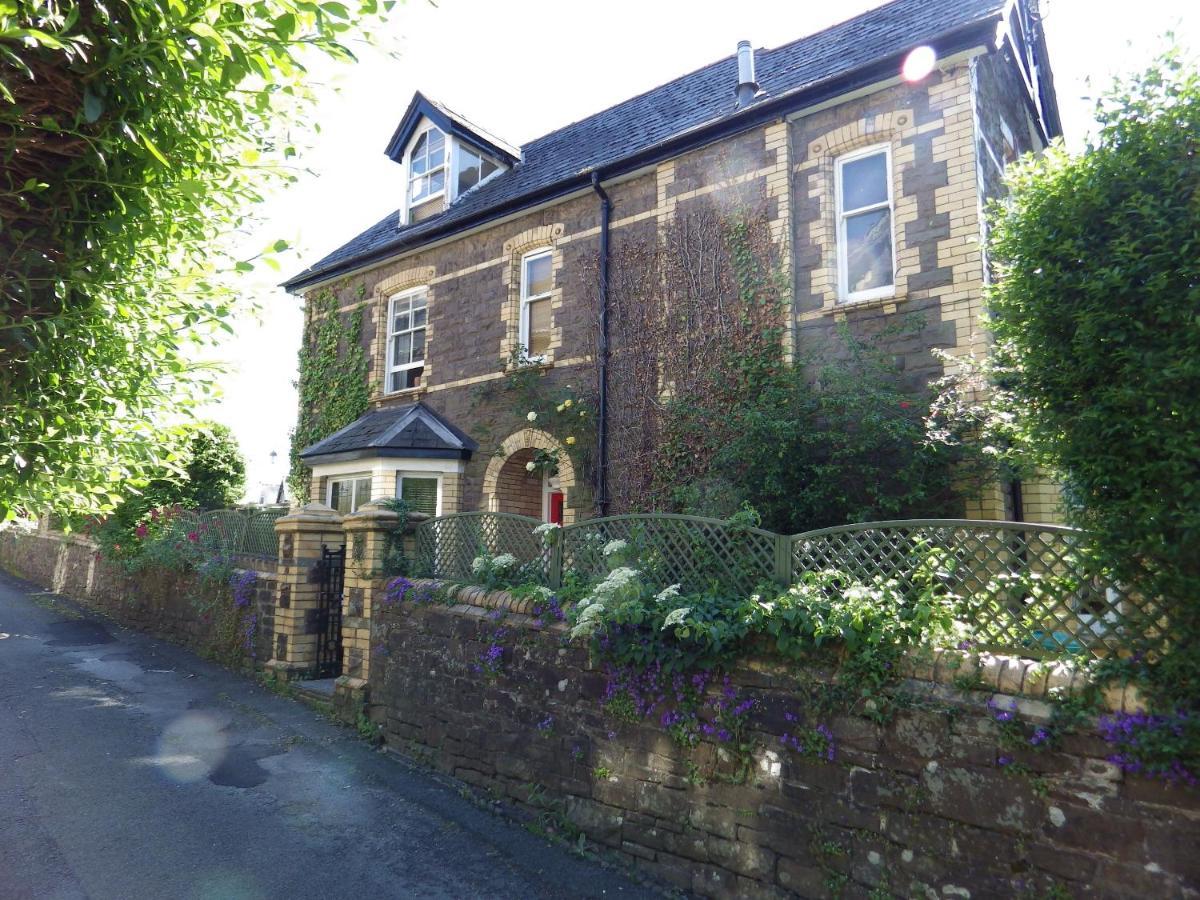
(412, 432)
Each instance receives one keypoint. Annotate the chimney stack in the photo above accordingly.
(747, 87)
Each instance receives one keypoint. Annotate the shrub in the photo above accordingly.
(1098, 341)
(837, 440)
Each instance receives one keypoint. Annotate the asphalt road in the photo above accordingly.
(129, 768)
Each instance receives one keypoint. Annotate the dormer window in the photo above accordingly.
(445, 157)
(471, 169)
(427, 167)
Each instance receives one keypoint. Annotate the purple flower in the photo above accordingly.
(546, 724)
(1039, 737)
(1003, 760)
(999, 713)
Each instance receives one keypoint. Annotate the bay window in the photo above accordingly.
(348, 493)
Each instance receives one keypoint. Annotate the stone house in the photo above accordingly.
(875, 144)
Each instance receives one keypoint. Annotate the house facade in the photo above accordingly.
(874, 146)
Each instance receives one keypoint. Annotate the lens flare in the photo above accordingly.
(919, 63)
(191, 747)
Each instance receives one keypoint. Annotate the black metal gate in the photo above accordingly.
(329, 612)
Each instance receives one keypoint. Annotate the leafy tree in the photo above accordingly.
(216, 471)
(210, 474)
(135, 140)
(1098, 337)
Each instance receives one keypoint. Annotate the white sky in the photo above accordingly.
(535, 66)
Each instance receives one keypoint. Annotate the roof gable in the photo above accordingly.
(421, 107)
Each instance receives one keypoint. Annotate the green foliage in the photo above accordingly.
(215, 469)
(1098, 340)
(395, 561)
(211, 476)
(333, 383)
(136, 140)
(837, 439)
(866, 625)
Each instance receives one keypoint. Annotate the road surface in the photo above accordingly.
(129, 768)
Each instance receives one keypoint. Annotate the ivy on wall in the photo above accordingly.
(333, 383)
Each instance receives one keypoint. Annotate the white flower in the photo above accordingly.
(504, 561)
(676, 616)
(548, 532)
(531, 465)
(477, 565)
(615, 547)
(588, 621)
(667, 594)
(532, 417)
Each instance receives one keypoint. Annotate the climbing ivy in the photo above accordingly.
(333, 380)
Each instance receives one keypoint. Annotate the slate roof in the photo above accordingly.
(561, 162)
(413, 431)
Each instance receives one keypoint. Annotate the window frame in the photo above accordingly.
(461, 147)
(391, 368)
(523, 308)
(401, 474)
(412, 202)
(353, 478)
(845, 295)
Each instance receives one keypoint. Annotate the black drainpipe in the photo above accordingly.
(602, 353)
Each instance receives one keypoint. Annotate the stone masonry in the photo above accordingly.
(942, 133)
(922, 805)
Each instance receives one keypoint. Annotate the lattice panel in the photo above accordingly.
(1021, 587)
(447, 546)
(698, 554)
(259, 538)
(229, 532)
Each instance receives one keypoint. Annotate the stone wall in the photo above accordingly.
(157, 602)
(920, 806)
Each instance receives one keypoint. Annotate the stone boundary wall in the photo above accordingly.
(155, 602)
(922, 805)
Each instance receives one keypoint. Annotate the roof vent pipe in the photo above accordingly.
(747, 87)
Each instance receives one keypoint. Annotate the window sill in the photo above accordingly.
(544, 364)
(406, 393)
(883, 302)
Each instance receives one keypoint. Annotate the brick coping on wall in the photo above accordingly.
(1033, 683)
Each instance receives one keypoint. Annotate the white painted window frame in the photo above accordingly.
(450, 162)
(413, 473)
(453, 177)
(392, 368)
(349, 477)
(527, 299)
(447, 147)
(887, 290)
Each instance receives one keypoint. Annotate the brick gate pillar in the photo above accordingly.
(302, 533)
(368, 532)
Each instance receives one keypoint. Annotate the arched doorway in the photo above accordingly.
(509, 486)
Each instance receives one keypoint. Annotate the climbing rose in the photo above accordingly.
(532, 417)
(530, 466)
